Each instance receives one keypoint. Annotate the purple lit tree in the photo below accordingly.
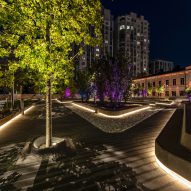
(113, 79)
(67, 92)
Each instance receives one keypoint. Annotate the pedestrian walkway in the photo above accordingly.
(104, 161)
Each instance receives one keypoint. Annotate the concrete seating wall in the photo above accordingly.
(169, 148)
(186, 127)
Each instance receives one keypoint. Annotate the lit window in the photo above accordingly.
(132, 27)
(145, 40)
(97, 49)
(128, 27)
(106, 41)
(181, 81)
(173, 93)
(97, 55)
(138, 43)
(167, 93)
(138, 34)
(174, 82)
(122, 27)
(145, 69)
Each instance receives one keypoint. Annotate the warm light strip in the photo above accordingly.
(173, 174)
(164, 103)
(125, 114)
(85, 108)
(13, 119)
(62, 101)
(111, 116)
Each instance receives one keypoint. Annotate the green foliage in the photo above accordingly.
(41, 34)
(83, 80)
(136, 89)
(20, 78)
(150, 89)
(112, 78)
(6, 78)
(188, 91)
(160, 89)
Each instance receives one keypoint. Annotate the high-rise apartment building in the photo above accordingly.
(92, 53)
(86, 59)
(108, 31)
(160, 66)
(132, 40)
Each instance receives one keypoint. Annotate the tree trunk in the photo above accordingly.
(48, 114)
(12, 96)
(21, 101)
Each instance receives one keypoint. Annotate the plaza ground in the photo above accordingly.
(100, 153)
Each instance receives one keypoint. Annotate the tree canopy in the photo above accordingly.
(41, 33)
(116, 82)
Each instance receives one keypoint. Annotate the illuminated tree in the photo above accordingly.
(188, 92)
(150, 89)
(7, 82)
(160, 90)
(83, 84)
(43, 34)
(113, 79)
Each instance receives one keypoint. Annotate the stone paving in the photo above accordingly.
(116, 125)
(122, 161)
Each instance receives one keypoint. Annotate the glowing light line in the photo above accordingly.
(14, 118)
(112, 116)
(63, 101)
(152, 104)
(85, 108)
(165, 103)
(125, 114)
(173, 174)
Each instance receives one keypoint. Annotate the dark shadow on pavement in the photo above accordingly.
(81, 172)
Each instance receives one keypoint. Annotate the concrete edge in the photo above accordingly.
(41, 140)
(13, 115)
(7, 118)
(185, 136)
(185, 139)
(173, 162)
(112, 113)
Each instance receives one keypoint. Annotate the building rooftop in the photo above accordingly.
(176, 70)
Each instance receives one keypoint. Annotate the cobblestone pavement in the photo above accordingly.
(122, 161)
(116, 125)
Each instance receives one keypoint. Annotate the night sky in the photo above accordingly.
(170, 26)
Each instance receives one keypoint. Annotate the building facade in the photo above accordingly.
(92, 53)
(132, 40)
(108, 32)
(160, 66)
(171, 84)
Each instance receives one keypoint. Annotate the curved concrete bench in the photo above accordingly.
(169, 150)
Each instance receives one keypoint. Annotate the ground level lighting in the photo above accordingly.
(173, 174)
(113, 116)
(14, 118)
